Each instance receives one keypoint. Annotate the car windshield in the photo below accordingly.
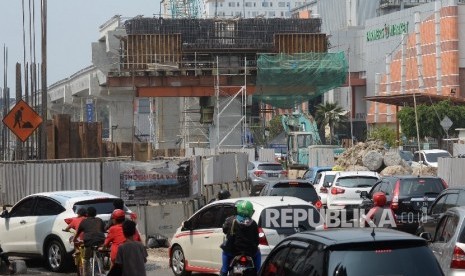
(383, 261)
(270, 167)
(433, 157)
(302, 191)
(287, 220)
(357, 181)
(420, 186)
(103, 206)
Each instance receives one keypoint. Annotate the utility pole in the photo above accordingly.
(43, 128)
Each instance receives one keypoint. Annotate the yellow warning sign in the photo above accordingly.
(22, 120)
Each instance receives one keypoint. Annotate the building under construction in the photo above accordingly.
(213, 67)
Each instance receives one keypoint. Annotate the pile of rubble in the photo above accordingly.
(372, 156)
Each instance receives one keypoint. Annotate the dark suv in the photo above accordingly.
(351, 252)
(408, 196)
(448, 198)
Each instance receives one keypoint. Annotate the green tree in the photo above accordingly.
(385, 134)
(429, 119)
(330, 114)
(275, 127)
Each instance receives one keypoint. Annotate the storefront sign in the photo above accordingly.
(387, 31)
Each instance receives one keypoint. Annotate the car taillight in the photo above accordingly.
(336, 190)
(458, 258)
(68, 220)
(243, 260)
(261, 237)
(318, 204)
(284, 173)
(395, 198)
(444, 183)
(258, 173)
(323, 190)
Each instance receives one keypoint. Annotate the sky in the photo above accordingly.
(72, 26)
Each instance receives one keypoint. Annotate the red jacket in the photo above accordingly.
(74, 224)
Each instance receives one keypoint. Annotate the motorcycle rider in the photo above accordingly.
(380, 215)
(222, 194)
(241, 236)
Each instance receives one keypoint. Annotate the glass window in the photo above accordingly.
(451, 201)
(265, 4)
(274, 265)
(446, 229)
(281, 4)
(270, 167)
(329, 178)
(208, 218)
(271, 14)
(103, 206)
(420, 186)
(250, 166)
(48, 207)
(318, 178)
(356, 181)
(438, 207)
(23, 208)
(461, 200)
(433, 157)
(303, 191)
(311, 262)
(228, 210)
(379, 259)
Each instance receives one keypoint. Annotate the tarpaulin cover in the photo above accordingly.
(284, 80)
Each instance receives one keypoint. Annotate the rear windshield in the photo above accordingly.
(290, 219)
(304, 191)
(384, 261)
(356, 181)
(420, 186)
(270, 167)
(103, 206)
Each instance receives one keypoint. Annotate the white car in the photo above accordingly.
(320, 179)
(33, 226)
(346, 189)
(195, 247)
(430, 157)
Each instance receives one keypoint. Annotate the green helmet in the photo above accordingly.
(244, 208)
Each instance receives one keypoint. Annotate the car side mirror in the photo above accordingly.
(426, 236)
(4, 214)
(363, 194)
(187, 225)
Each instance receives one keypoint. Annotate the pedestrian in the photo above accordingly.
(115, 235)
(380, 215)
(132, 255)
(119, 204)
(94, 235)
(241, 236)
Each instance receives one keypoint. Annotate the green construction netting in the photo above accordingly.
(285, 80)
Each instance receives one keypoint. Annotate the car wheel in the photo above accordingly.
(56, 256)
(178, 262)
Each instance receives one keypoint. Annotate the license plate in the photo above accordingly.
(273, 175)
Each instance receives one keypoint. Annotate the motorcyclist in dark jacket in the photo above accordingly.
(380, 215)
(241, 236)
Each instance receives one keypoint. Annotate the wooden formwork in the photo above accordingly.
(300, 43)
(152, 52)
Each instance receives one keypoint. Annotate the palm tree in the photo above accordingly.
(330, 114)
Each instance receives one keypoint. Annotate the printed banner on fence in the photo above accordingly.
(159, 179)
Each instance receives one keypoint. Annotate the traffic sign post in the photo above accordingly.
(22, 120)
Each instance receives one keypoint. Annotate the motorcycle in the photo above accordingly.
(242, 265)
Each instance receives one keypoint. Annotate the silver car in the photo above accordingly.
(448, 242)
(259, 173)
